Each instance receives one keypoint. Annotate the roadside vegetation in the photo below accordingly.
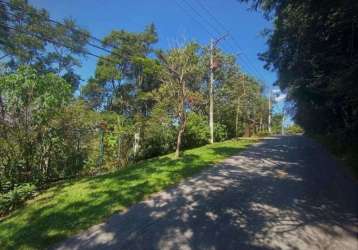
(313, 46)
(347, 155)
(143, 102)
(139, 103)
(66, 208)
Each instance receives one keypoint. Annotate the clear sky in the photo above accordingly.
(176, 21)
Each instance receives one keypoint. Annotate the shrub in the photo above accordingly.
(262, 134)
(220, 132)
(15, 197)
(196, 132)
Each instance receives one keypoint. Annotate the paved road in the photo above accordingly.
(285, 193)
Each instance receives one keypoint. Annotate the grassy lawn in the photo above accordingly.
(72, 206)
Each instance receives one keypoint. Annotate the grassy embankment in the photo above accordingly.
(75, 205)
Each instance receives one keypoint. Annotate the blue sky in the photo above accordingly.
(176, 21)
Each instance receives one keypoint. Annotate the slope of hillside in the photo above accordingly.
(75, 205)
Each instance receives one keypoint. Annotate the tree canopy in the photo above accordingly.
(314, 47)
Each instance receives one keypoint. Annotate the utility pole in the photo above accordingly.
(213, 44)
(211, 95)
(282, 123)
(269, 113)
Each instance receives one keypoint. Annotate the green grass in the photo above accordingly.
(75, 205)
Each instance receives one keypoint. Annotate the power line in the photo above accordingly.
(198, 20)
(113, 46)
(58, 23)
(244, 63)
(55, 42)
(192, 17)
(222, 26)
(85, 34)
(199, 15)
(218, 32)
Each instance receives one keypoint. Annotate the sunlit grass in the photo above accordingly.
(65, 209)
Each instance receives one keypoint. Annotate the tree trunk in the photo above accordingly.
(180, 133)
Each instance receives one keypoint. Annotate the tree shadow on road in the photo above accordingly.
(270, 197)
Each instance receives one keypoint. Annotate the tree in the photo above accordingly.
(238, 95)
(277, 123)
(180, 76)
(123, 77)
(30, 105)
(314, 47)
(29, 37)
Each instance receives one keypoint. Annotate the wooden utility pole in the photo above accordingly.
(242, 78)
(213, 44)
(269, 113)
(211, 95)
(282, 123)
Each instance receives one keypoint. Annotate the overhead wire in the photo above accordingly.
(246, 66)
(85, 34)
(192, 17)
(217, 31)
(233, 39)
(57, 43)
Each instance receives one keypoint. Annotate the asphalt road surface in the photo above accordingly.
(283, 193)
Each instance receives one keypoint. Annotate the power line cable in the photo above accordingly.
(113, 46)
(205, 20)
(72, 29)
(55, 42)
(247, 67)
(192, 17)
(61, 24)
(222, 26)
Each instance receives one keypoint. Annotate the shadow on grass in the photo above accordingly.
(70, 207)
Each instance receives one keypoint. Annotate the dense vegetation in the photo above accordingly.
(314, 48)
(140, 102)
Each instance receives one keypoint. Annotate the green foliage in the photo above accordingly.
(277, 123)
(29, 38)
(158, 134)
(239, 104)
(72, 206)
(31, 104)
(314, 48)
(294, 129)
(181, 76)
(220, 132)
(15, 197)
(124, 75)
(197, 131)
(139, 102)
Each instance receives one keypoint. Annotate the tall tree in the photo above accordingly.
(314, 47)
(181, 76)
(28, 36)
(123, 77)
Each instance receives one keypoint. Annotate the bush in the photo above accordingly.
(15, 197)
(294, 130)
(157, 134)
(196, 132)
(220, 132)
(262, 134)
